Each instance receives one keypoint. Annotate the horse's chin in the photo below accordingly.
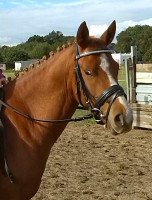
(116, 130)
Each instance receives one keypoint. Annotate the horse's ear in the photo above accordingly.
(109, 34)
(82, 35)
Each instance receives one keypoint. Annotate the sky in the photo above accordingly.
(21, 19)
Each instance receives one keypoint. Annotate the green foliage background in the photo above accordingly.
(34, 48)
(140, 36)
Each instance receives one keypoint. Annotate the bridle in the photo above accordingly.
(109, 95)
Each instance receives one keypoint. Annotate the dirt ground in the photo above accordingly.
(88, 163)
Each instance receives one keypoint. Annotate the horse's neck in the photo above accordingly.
(45, 93)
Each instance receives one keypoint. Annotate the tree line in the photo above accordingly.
(38, 46)
(140, 36)
(34, 48)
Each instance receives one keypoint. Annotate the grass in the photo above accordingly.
(81, 112)
(9, 73)
(122, 77)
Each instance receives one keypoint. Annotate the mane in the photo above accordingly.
(40, 62)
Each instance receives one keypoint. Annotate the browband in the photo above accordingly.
(93, 52)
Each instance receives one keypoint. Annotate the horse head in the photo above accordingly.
(97, 80)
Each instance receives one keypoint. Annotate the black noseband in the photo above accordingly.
(115, 89)
(108, 96)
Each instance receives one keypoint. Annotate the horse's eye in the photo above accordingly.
(88, 72)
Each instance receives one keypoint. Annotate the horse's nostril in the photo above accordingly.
(119, 119)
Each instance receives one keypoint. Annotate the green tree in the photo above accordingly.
(35, 47)
(123, 47)
(39, 50)
(1, 58)
(35, 38)
(140, 36)
(148, 55)
(10, 55)
(53, 37)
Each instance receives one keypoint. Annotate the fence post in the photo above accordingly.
(127, 79)
(133, 73)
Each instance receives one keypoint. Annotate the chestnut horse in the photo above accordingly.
(83, 73)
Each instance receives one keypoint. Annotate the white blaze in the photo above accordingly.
(105, 66)
(122, 100)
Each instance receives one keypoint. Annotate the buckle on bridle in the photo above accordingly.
(98, 116)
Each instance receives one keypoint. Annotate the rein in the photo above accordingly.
(23, 114)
